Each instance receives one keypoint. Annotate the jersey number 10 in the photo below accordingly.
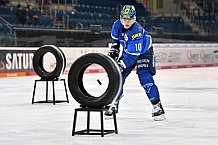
(138, 47)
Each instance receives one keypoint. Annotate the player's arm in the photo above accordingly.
(133, 52)
(114, 50)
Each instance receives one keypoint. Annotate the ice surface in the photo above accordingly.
(189, 96)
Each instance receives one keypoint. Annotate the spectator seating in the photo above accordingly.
(100, 12)
(45, 21)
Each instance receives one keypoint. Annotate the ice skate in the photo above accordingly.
(158, 112)
(110, 110)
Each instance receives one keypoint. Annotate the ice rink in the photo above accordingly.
(189, 96)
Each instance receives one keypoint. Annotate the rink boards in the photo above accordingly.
(16, 61)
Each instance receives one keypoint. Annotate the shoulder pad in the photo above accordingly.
(137, 32)
(117, 23)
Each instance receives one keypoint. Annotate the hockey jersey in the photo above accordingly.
(135, 41)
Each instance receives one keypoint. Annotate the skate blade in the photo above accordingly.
(159, 118)
(108, 117)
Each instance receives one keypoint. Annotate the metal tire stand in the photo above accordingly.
(89, 131)
(53, 89)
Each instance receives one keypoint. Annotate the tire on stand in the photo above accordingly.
(75, 80)
(38, 62)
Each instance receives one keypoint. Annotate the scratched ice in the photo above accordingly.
(189, 96)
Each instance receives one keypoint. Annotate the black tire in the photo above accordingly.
(38, 62)
(75, 80)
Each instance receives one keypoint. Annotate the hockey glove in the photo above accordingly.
(114, 53)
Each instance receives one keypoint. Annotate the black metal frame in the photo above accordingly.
(53, 88)
(89, 131)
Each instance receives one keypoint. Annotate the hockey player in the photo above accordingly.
(137, 52)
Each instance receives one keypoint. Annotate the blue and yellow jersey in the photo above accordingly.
(135, 41)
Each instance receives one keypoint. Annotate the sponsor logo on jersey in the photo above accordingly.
(126, 37)
(137, 36)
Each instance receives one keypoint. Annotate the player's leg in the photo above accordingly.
(147, 82)
(115, 106)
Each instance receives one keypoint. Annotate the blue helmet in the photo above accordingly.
(128, 12)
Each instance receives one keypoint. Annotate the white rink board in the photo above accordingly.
(168, 56)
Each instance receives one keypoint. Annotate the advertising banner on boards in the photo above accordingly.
(16, 61)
